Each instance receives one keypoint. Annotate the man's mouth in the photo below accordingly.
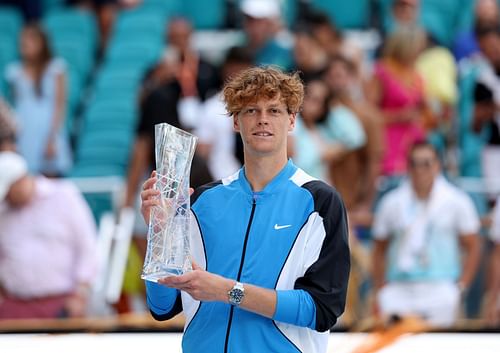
(262, 134)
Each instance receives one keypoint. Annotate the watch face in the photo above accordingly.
(236, 296)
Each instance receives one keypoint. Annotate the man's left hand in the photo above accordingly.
(200, 284)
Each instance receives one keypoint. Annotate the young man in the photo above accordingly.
(420, 229)
(269, 243)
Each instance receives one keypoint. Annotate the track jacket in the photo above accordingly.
(291, 237)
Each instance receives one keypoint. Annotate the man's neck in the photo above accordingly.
(423, 192)
(261, 170)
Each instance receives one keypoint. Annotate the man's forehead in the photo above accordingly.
(266, 102)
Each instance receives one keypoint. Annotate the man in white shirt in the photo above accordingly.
(47, 245)
(420, 231)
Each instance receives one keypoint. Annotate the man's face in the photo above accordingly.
(264, 126)
(179, 34)
(337, 77)
(406, 11)
(423, 167)
(490, 47)
(258, 30)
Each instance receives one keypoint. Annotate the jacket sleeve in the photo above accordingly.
(295, 307)
(326, 279)
(163, 302)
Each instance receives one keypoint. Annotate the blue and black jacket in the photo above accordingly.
(290, 237)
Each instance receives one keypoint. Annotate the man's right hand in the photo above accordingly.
(149, 196)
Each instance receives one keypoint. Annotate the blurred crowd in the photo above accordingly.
(393, 125)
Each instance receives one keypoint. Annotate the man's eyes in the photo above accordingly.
(271, 111)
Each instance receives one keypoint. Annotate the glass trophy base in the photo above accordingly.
(163, 272)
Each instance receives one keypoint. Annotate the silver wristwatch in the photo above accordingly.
(236, 294)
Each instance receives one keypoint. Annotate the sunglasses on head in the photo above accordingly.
(421, 163)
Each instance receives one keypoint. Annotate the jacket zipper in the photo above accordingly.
(239, 273)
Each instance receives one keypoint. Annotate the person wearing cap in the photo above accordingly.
(261, 24)
(47, 245)
(269, 243)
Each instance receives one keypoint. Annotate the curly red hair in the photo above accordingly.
(255, 83)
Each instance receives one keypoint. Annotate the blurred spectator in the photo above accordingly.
(419, 230)
(47, 245)
(355, 175)
(217, 139)
(106, 12)
(37, 86)
(311, 59)
(331, 39)
(326, 132)
(7, 128)
(486, 15)
(438, 70)
(397, 90)
(261, 24)
(181, 73)
(486, 116)
(181, 66)
(310, 149)
(492, 307)
(405, 12)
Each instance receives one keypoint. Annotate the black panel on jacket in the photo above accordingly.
(326, 279)
(176, 309)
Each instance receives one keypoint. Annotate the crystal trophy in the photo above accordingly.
(168, 233)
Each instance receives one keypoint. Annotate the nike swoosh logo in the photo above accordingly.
(277, 227)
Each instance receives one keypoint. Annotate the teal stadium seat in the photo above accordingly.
(52, 5)
(351, 14)
(8, 54)
(167, 8)
(11, 21)
(470, 143)
(205, 14)
(73, 24)
(133, 55)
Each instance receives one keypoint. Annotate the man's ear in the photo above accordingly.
(236, 125)
(292, 118)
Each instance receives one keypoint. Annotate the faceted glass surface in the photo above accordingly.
(168, 233)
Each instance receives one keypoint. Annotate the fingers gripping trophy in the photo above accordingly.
(168, 246)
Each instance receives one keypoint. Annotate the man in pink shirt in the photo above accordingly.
(47, 245)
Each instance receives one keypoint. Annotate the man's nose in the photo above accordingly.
(263, 117)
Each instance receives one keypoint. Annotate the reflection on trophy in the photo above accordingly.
(168, 234)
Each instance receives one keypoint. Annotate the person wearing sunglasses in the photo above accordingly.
(426, 249)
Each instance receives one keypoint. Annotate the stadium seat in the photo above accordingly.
(145, 21)
(8, 54)
(73, 36)
(135, 55)
(166, 8)
(205, 14)
(11, 21)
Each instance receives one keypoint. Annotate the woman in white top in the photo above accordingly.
(38, 91)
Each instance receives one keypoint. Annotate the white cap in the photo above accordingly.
(12, 168)
(261, 8)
